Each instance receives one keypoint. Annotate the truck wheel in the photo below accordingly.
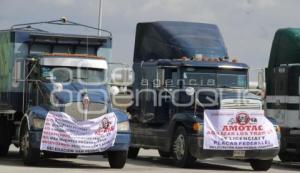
(133, 152)
(261, 165)
(30, 156)
(180, 151)
(5, 136)
(4, 149)
(71, 156)
(285, 157)
(164, 154)
(288, 157)
(117, 159)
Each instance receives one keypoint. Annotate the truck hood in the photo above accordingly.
(42, 112)
(74, 92)
(217, 95)
(233, 94)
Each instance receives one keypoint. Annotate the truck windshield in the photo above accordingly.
(70, 74)
(215, 79)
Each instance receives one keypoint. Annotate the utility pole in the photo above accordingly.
(100, 17)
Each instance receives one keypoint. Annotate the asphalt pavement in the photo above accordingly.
(148, 161)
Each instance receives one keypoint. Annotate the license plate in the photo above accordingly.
(239, 153)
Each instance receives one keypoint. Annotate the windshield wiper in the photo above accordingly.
(224, 86)
(231, 87)
(76, 77)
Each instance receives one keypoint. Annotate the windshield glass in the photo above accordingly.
(67, 74)
(232, 80)
(216, 78)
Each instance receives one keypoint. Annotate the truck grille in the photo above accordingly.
(240, 104)
(76, 111)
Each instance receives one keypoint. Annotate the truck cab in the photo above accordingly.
(282, 90)
(55, 72)
(182, 69)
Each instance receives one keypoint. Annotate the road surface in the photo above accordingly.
(148, 161)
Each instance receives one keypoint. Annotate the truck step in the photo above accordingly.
(15, 141)
(9, 114)
(7, 111)
(17, 122)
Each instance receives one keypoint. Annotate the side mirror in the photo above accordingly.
(121, 75)
(114, 90)
(261, 79)
(148, 117)
(17, 73)
(160, 76)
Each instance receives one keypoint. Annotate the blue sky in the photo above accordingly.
(248, 26)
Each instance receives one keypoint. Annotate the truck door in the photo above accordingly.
(144, 96)
(148, 94)
(280, 99)
(164, 109)
(31, 85)
(157, 129)
(293, 99)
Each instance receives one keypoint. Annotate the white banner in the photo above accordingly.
(232, 129)
(64, 134)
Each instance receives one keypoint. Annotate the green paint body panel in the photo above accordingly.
(285, 48)
(6, 50)
(282, 74)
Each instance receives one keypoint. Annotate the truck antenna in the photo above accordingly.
(100, 9)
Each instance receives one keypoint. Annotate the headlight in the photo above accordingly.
(38, 123)
(198, 127)
(277, 128)
(123, 126)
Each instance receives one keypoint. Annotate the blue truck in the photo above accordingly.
(34, 63)
(186, 57)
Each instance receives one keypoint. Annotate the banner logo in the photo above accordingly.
(242, 118)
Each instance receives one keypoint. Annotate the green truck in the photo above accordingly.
(282, 90)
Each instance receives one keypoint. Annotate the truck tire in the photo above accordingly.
(164, 154)
(4, 149)
(5, 136)
(29, 155)
(288, 157)
(117, 159)
(261, 165)
(133, 152)
(180, 150)
(49, 155)
(283, 155)
(71, 156)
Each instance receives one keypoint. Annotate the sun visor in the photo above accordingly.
(172, 40)
(74, 62)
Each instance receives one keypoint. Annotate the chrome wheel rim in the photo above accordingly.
(25, 144)
(179, 147)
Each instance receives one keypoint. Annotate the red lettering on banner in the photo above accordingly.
(243, 128)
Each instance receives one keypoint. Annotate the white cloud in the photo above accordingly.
(248, 26)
